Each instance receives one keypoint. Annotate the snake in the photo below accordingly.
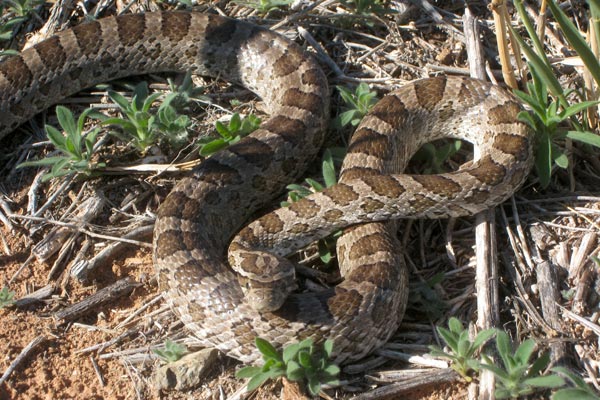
(228, 279)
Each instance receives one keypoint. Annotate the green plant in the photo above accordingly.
(299, 362)
(358, 103)
(519, 377)
(171, 352)
(187, 92)
(462, 349)
(7, 28)
(76, 147)
(6, 297)
(545, 121)
(265, 6)
(230, 133)
(426, 299)
(139, 125)
(433, 157)
(581, 391)
(22, 8)
(549, 114)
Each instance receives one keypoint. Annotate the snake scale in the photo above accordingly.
(205, 210)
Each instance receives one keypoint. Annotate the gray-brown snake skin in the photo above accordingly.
(198, 219)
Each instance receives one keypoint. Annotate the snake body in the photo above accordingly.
(197, 221)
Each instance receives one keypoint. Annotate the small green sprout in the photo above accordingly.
(519, 377)
(581, 391)
(77, 147)
(462, 349)
(299, 362)
(6, 297)
(358, 103)
(230, 133)
(172, 351)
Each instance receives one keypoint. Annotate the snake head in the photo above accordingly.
(267, 281)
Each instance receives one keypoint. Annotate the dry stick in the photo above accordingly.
(486, 279)
(105, 295)
(22, 356)
(498, 8)
(395, 390)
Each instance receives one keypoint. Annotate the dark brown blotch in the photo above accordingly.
(371, 205)
(305, 208)
(271, 223)
(294, 97)
(89, 37)
(390, 109)
(220, 30)
(292, 130)
(504, 113)
(341, 194)
(51, 53)
(488, 171)
(515, 145)
(368, 245)
(313, 77)
(16, 71)
(439, 185)
(371, 142)
(216, 173)
(175, 25)
(131, 28)
(254, 152)
(421, 203)
(332, 215)
(430, 92)
(287, 63)
(384, 185)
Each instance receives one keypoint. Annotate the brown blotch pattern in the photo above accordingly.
(299, 228)
(422, 203)
(371, 142)
(368, 245)
(131, 28)
(175, 25)
(391, 110)
(290, 129)
(304, 208)
(488, 171)
(51, 53)
(504, 113)
(287, 63)
(254, 152)
(439, 185)
(16, 71)
(89, 37)
(332, 215)
(341, 194)
(517, 146)
(477, 196)
(371, 205)
(312, 77)
(429, 93)
(219, 30)
(215, 173)
(384, 185)
(305, 101)
(271, 223)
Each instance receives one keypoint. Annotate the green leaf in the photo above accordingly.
(585, 137)
(550, 381)
(290, 352)
(294, 372)
(449, 337)
(304, 359)
(213, 147)
(574, 394)
(257, 380)
(329, 176)
(247, 372)
(267, 349)
(235, 123)
(455, 325)
(328, 348)
(524, 351)
(56, 137)
(483, 337)
(576, 40)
